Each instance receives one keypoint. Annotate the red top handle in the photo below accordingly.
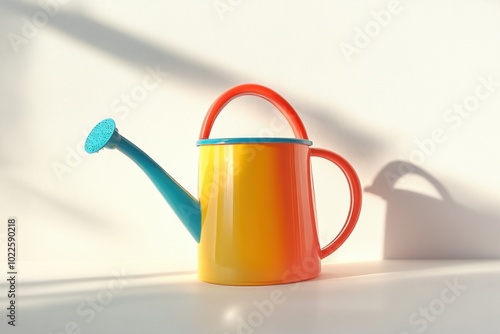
(252, 89)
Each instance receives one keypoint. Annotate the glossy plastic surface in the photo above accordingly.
(255, 221)
(258, 220)
(355, 191)
(257, 202)
(257, 90)
(185, 206)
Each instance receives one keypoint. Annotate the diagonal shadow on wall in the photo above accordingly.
(135, 51)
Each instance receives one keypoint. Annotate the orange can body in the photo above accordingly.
(258, 213)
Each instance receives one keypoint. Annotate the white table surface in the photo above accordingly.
(364, 297)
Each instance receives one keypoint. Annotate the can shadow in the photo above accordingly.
(418, 226)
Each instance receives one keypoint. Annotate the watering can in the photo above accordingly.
(255, 220)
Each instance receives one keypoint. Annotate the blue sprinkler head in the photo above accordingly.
(104, 134)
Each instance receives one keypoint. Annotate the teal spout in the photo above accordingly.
(185, 206)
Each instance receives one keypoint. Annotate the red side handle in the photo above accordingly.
(356, 198)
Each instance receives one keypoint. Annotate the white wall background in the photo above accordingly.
(67, 73)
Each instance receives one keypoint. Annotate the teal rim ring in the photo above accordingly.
(252, 140)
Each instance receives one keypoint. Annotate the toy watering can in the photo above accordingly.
(255, 220)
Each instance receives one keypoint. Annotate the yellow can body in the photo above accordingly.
(258, 214)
